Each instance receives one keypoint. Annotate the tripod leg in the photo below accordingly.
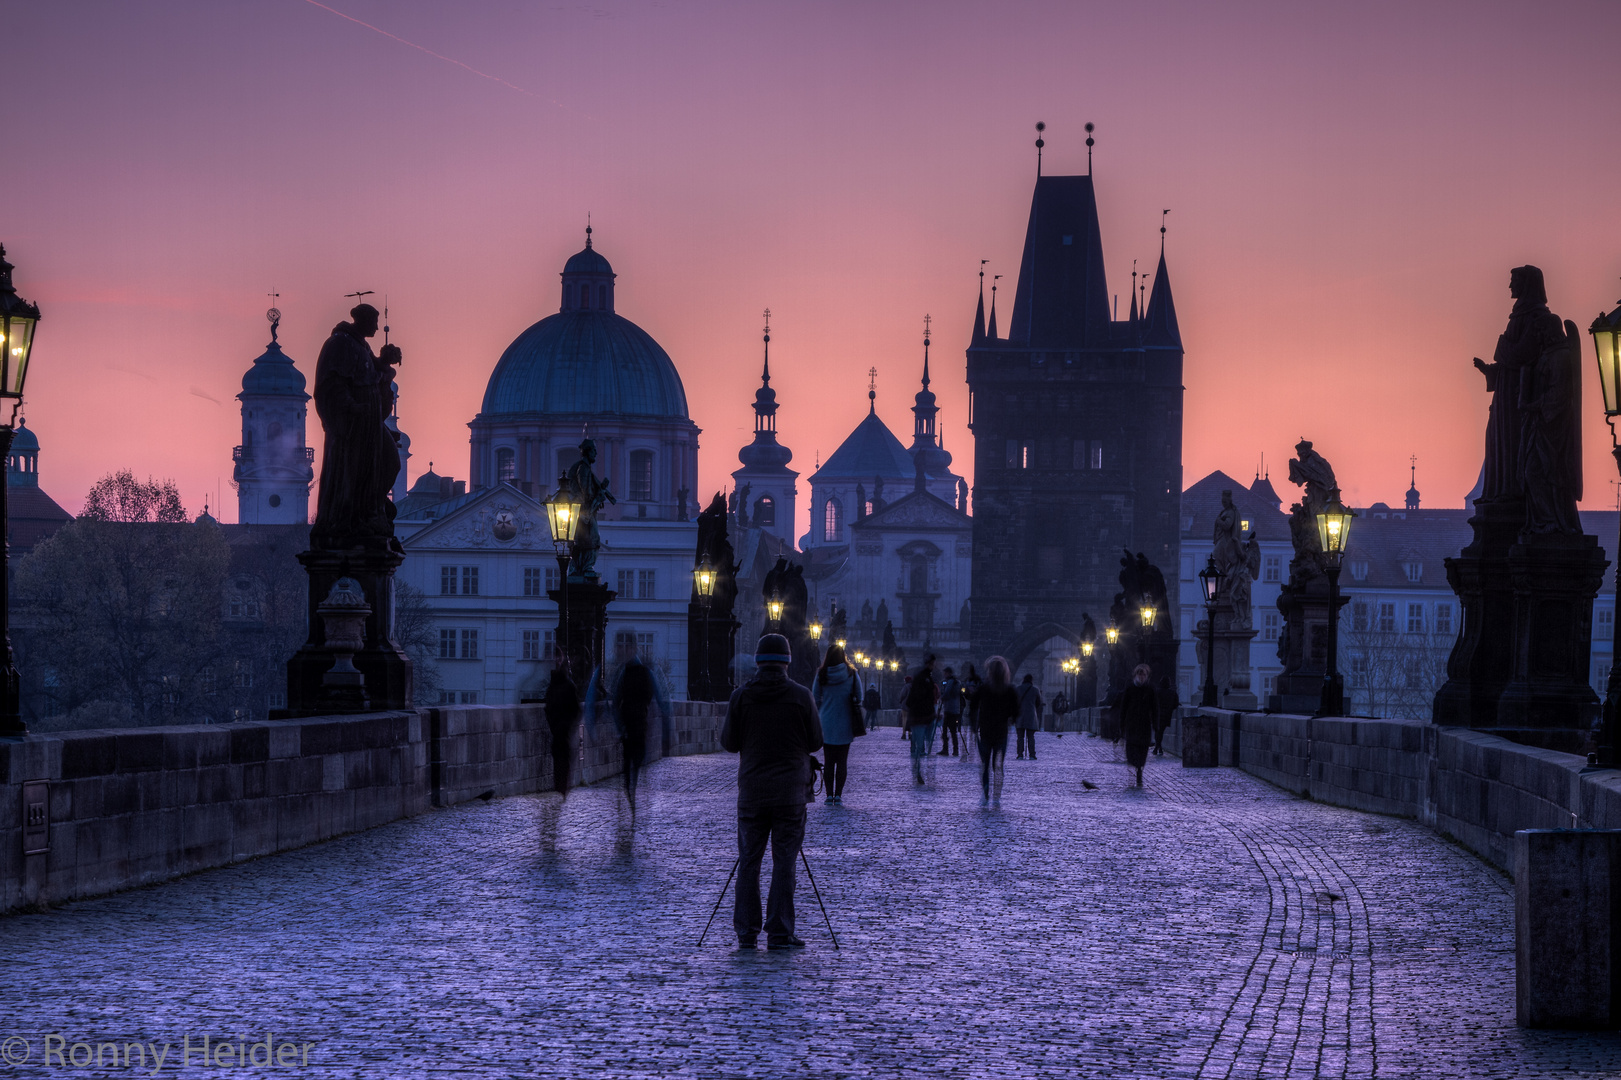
(718, 899)
(819, 903)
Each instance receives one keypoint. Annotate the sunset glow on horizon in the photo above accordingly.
(1348, 187)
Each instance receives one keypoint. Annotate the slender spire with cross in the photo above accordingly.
(872, 390)
(765, 376)
(1040, 142)
(1090, 127)
(1162, 216)
(588, 230)
(927, 319)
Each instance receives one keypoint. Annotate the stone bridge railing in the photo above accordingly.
(83, 813)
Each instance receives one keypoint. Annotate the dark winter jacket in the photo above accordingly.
(772, 724)
(951, 697)
(998, 709)
(1139, 711)
(872, 702)
(921, 696)
(1029, 706)
(562, 707)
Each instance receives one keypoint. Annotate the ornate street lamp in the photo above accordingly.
(703, 579)
(1148, 612)
(1210, 581)
(1113, 634)
(563, 515)
(17, 321)
(773, 609)
(1606, 331)
(1333, 530)
(815, 629)
(839, 642)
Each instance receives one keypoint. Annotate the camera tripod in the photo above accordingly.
(738, 862)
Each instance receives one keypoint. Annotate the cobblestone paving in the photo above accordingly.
(1206, 926)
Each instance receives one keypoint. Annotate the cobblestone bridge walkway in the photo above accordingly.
(1207, 926)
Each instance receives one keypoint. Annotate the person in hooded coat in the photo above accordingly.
(998, 709)
(838, 700)
(1139, 713)
(633, 700)
(563, 718)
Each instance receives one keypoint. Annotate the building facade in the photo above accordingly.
(480, 552)
(1077, 422)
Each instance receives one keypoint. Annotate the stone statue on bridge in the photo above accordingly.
(1238, 559)
(592, 494)
(360, 459)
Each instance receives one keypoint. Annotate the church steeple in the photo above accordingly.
(991, 333)
(273, 469)
(930, 458)
(765, 469)
(979, 313)
(1160, 329)
(765, 452)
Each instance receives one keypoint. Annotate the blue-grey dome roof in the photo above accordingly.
(587, 261)
(25, 441)
(273, 373)
(593, 362)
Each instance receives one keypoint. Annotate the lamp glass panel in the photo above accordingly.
(19, 333)
(1608, 344)
(1086, 648)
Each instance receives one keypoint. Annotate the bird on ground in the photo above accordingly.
(1088, 785)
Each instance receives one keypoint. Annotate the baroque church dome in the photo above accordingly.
(585, 359)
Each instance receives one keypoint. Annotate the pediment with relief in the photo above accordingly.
(497, 523)
(917, 511)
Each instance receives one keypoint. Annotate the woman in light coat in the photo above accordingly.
(838, 699)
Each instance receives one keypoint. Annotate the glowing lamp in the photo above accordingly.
(704, 578)
(563, 515)
(773, 607)
(1148, 613)
(17, 321)
(1606, 331)
(1113, 634)
(1086, 648)
(1334, 526)
(1210, 580)
(816, 630)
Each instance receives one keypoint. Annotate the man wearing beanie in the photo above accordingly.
(772, 724)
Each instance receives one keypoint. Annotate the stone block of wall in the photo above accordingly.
(1567, 928)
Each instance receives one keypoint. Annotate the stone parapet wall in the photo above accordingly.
(1476, 788)
(131, 807)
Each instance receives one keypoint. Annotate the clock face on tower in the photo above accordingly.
(504, 527)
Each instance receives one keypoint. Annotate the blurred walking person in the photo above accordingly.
(970, 691)
(998, 709)
(772, 725)
(950, 715)
(873, 704)
(563, 718)
(1139, 715)
(838, 701)
(633, 699)
(1029, 716)
(921, 697)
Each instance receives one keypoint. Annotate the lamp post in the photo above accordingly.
(703, 578)
(563, 515)
(1210, 581)
(17, 321)
(1087, 646)
(1333, 528)
(1606, 331)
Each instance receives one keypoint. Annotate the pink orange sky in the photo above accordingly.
(1349, 186)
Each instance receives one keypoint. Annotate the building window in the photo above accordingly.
(1413, 673)
(1097, 454)
(602, 297)
(627, 585)
(531, 645)
(1271, 567)
(244, 675)
(832, 520)
(552, 578)
(1604, 619)
(645, 584)
(1415, 618)
(1359, 663)
(1415, 571)
(1269, 623)
(624, 643)
(469, 644)
(1359, 615)
(533, 581)
(1443, 618)
(469, 697)
(506, 464)
(765, 510)
(641, 476)
(1020, 453)
(1359, 570)
(1387, 618)
(447, 581)
(470, 581)
(447, 644)
(1269, 685)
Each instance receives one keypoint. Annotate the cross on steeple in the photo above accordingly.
(872, 389)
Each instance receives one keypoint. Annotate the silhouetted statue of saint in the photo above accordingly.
(592, 494)
(714, 543)
(359, 458)
(1237, 560)
(1532, 329)
(1551, 435)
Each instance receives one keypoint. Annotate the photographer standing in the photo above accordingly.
(772, 724)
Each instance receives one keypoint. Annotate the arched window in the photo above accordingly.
(602, 297)
(568, 297)
(765, 510)
(641, 476)
(506, 464)
(832, 521)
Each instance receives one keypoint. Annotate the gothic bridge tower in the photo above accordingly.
(1077, 422)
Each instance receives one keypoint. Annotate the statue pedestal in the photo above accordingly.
(582, 623)
(1548, 702)
(1305, 660)
(1232, 671)
(385, 669)
(711, 644)
(1519, 668)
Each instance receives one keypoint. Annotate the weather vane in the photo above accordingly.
(1040, 142)
(927, 319)
(273, 316)
(1090, 127)
(1162, 216)
(385, 318)
(357, 295)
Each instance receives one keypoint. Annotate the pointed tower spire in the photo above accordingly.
(979, 313)
(930, 459)
(1040, 142)
(1134, 292)
(765, 398)
(1160, 316)
(1090, 127)
(991, 330)
(872, 391)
